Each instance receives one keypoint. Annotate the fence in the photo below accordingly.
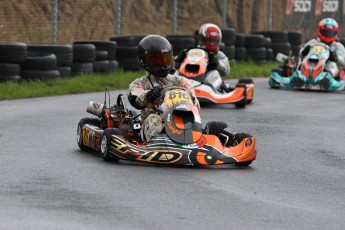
(63, 21)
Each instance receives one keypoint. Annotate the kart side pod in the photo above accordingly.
(95, 108)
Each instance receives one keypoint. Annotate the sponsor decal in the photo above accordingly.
(248, 142)
(160, 156)
(172, 129)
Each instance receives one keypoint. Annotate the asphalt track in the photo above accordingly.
(297, 181)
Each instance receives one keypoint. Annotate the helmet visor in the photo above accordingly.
(212, 42)
(328, 33)
(160, 60)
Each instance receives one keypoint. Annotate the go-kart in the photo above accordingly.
(115, 132)
(309, 75)
(194, 67)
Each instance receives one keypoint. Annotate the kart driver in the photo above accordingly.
(210, 37)
(155, 55)
(328, 33)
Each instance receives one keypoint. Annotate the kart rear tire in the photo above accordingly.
(246, 81)
(242, 103)
(105, 144)
(82, 122)
(215, 127)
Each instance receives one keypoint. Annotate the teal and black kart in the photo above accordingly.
(310, 74)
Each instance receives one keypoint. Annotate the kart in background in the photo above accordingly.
(115, 133)
(309, 75)
(194, 67)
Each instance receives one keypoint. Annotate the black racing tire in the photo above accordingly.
(130, 64)
(240, 40)
(82, 122)
(15, 79)
(246, 81)
(39, 74)
(215, 127)
(254, 41)
(127, 52)
(109, 46)
(65, 71)
(84, 52)
(101, 66)
(229, 51)
(180, 42)
(276, 36)
(246, 163)
(105, 144)
(8, 69)
(82, 68)
(228, 36)
(295, 38)
(40, 60)
(63, 53)
(240, 53)
(13, 52)
(281, 47)
(242, 103)
(101, 55)
(127, 40)
(256, 54)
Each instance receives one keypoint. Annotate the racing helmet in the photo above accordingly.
(210, 37)
(155, 55)
(328, 30)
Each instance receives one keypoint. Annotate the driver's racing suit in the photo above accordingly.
(152, 122)
(331, 66)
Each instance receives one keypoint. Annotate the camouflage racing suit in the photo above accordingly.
(152, 122)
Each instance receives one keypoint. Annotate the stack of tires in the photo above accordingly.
(229, 40)
(105, 53)
(255, 47)
(240, 49)
(295, 39)
(83, 56)
(279, 39)
(127, 49)
(12, 55)
(180, 42)
(42, 52)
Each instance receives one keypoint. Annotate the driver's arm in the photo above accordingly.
(224, 66)
(137, 94)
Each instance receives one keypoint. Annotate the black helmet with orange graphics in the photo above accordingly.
(155, 55)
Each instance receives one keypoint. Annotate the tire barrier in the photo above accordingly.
(105, 52)
(41, 61)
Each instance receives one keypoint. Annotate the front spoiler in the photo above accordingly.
(209, 151)
(323, 82)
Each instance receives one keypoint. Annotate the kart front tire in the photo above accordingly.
(246, 163)
(105, 144)
(215, 127)
(246, 81)
(82, 122)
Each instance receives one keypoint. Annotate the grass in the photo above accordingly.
(98, 82)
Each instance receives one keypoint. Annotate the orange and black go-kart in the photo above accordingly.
(194, 67)
(115, 132)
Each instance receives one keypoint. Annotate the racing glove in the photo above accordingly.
(153, 94)
(333, 56)
(181, 56)
(212, 61)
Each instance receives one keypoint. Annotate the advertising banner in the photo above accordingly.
(304, 13)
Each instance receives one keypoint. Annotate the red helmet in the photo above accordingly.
(210, 37)
(328, 30)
